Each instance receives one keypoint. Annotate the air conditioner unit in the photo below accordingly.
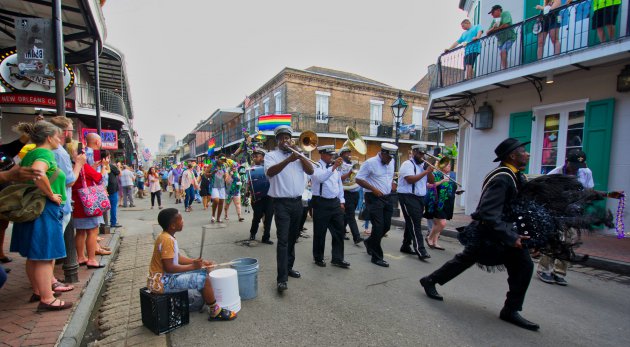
(385, 131)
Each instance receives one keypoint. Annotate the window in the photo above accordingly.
(558, 130)
(278, 102)
(266, 106)
(376, 116)
(321, 107)
(256, 115)
(248, 120)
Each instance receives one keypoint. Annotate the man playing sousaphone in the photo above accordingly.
(350, 193)
(285, 170)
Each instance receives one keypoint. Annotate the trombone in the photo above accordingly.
(439, 162)
(308, 142)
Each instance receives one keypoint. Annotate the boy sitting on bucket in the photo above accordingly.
(170, 272)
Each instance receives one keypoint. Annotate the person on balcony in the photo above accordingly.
(471, 33)
(505, 37)
(551, 21)
(604, 17)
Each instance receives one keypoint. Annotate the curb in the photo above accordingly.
(599, 263)
(80, 318)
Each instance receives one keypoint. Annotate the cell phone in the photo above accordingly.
(79, 148)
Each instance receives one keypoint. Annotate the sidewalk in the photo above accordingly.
(20, 324)
(606, 252)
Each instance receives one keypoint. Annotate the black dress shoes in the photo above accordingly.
(268, 242)
(320, 263)
(340, 263)
(252, 237)
(294, 274)
(282, 286)
(516, 319)
(380, 262)
(367, 248)
(429, 288)
(407, 250)
(357, 241)
(424, 255)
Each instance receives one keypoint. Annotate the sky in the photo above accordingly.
(186, 58)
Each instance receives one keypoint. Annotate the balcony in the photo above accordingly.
(336, 125)
(574, 34)
(111, 101)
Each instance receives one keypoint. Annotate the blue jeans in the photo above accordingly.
(113, 200)
(177, 282)
(190, 196)
(3, 276)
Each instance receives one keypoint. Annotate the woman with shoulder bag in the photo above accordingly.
(41, 240)
(87, 226)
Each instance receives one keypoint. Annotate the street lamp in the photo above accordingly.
(398, 109)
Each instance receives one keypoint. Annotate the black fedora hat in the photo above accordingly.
(507, 146)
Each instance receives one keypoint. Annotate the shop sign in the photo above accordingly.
(34, 41)
(34, 99)
(16, 77)
(109, 138)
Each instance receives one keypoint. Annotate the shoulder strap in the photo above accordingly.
(413, 186)
(53, 178)
(501, 170)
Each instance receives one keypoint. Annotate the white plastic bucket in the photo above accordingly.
(225, 285)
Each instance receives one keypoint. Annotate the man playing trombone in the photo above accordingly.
(285, 168)
(412, 187)
(328, 207)
(376, 177)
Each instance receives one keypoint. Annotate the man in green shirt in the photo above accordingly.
(505, 37)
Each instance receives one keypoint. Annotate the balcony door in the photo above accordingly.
(376, 116)
(558, 130)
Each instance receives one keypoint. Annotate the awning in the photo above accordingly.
(83, 25)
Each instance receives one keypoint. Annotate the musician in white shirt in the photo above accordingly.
(376, 177)
(285, 170)
(328, 208)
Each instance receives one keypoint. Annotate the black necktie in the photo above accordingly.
(329, 165)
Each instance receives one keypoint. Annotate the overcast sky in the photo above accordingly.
(186, 58)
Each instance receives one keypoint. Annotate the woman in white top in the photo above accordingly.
(153, 181)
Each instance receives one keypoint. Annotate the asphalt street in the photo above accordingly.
(374, 306)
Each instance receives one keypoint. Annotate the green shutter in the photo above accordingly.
(598, 124)
(521, 128)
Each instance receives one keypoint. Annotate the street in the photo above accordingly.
(370, 305)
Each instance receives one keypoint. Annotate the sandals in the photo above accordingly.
(5, 260)
(102, 251)
(240, 219)
(63, 305)
(426, 239)
(59, 287)
(36, 298)
(212, 220)
(223, 315)
(438, 247)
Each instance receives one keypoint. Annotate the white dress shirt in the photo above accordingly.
(328, 180)
(344, 169)
(380, 176)
(410, 168)
(288, 183)
(584, 175)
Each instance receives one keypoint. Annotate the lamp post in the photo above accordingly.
(398, 109)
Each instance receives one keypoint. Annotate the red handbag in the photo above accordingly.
(93, 198)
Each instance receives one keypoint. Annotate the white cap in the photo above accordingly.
(283, 129)
(328, 149)
(389, 148)
(420, 147)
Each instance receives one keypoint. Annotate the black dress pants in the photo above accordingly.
(352, 200)
(262, 207)
(327, 214)
(287, 212)
(381, 211)
(518, 264)
(412, 207)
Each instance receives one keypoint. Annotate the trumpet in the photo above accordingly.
(308, 142)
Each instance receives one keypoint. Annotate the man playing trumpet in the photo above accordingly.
(350, 194)
(285, 170)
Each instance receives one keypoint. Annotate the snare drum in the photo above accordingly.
(259, 182)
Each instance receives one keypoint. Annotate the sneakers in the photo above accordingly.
(560, 280)
(545, 277)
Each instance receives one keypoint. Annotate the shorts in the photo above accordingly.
(175, 186)
(184, 280)
(470, 58)
(550, 21)
(605, 16)
(506, 45)
(140, 185)
(218, 193)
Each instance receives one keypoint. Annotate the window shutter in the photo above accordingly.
(521, 128)
(598, 124)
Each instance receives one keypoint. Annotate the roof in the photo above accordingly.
(423, 85)
(343, 75)
(83, 25)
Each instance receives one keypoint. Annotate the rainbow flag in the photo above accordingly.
(272, 121)
(211, 144)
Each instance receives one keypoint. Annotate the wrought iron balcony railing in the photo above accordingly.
(566, 29)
